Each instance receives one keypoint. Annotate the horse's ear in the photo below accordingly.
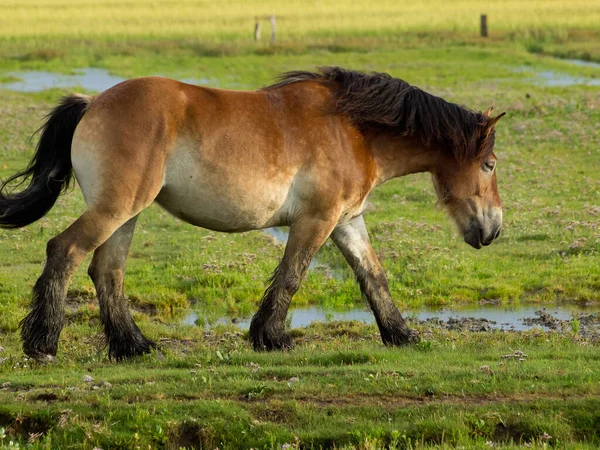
(491, 122)
(488, 111)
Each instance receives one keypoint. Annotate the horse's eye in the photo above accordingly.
(489, 166)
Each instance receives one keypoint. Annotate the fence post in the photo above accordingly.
(484, 27)
(272, 29)
(257, 31)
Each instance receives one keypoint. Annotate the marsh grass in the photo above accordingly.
(547, 146)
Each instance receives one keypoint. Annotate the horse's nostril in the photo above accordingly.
(491, 238)
(497, 235)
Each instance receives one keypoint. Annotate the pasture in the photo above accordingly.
(339, 387)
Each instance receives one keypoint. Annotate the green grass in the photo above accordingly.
(339, 387)
(548, 179)
(351, 392)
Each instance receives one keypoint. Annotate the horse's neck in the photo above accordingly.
(399, 156)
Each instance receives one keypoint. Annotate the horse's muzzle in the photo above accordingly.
(477, 237)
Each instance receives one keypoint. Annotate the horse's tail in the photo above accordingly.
(49, 172)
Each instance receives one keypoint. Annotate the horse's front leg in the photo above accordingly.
(267, 330)
(353, 241)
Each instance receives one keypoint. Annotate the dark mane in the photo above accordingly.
(380, 101)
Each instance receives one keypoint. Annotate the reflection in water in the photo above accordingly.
(504, 317)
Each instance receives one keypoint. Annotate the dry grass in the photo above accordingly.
(229, 20)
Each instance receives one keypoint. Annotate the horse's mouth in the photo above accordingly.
(474, 241)
(474, 237)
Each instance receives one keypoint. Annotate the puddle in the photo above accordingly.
(36, 81)
(98, 80)
(552, 78)
(92, 79)
(582, 63)
(523, 317)
(281, 235)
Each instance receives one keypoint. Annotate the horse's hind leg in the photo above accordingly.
(41, 328)
(353, 241)
(107, 270)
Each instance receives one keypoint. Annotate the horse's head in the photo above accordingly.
(469, 191)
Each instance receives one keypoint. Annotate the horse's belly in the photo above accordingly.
(224, 200)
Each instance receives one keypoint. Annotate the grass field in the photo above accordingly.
(233, 20)
(452, 389)
(547, 147)
(37, 31)
(338, 388)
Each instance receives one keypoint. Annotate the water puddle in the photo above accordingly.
(480, 318)
(36, 81)
(98, 80)
(91, 79)
(281, 235)
(583, 63)
(552, 78)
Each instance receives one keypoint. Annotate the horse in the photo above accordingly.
(304, 152)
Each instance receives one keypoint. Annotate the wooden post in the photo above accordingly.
(257, 31)
(484, 27)
(272, 29)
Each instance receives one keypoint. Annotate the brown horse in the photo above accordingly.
(304, 153)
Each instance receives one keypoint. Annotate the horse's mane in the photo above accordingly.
(379, 101)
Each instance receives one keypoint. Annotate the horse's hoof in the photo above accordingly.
(272, 342)
(42, 358)
(122, 353)
(399, 337)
